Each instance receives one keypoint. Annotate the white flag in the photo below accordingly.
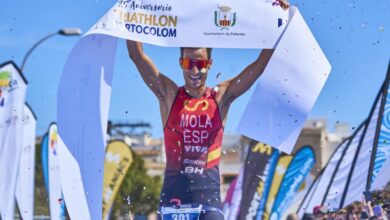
(12, 94)
(25, 182)
(56, 202)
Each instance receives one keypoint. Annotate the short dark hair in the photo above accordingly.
(194, 48)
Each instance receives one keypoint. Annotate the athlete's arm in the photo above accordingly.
(156, 81)
(238, 85)
(284, 4)
(233, 88)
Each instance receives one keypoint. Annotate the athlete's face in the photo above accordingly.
(195, 65)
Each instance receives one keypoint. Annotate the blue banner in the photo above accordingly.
(45, 170)
(356, 165)
(45, 160)
(383, 146)
(258, 172)
(268, 174)
(299, 168)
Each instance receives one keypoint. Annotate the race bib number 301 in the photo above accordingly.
(170, 213)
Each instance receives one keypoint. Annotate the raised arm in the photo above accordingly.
(229, 90)
(156, 81)
(233, 88)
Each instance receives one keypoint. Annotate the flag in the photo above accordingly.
(56, 203)
(116, 164)
(259, 168)
(272, 179)
(278, 175)
(12, 95)
(26, 176)
(356, 162)
(82, 124)
(300, 166)
(44, 158)
(382, 151)
(231, 205)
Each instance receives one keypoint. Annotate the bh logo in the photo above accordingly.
(224, 18)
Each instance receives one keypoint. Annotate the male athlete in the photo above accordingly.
(193, 118)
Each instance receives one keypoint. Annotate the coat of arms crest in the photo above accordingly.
(224, 18)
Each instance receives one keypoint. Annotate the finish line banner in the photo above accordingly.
(292, 81)
(85, 87)
(223, 24)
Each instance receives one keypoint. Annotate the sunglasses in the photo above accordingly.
(187, 63)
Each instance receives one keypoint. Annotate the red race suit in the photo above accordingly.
(193, 140)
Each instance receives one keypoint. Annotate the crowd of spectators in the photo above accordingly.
(377, 208)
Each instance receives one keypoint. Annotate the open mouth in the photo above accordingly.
(195, 77)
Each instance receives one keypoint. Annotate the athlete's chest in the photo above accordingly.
(195, 114)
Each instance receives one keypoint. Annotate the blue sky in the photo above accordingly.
(354, 35)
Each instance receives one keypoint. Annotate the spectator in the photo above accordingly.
(386, 209)
(308, 216)
(378, 196)
(332, 213)
(386, 193)
(341, 214)
(359, 206)
(320, 212)
(364, 215)
(353, 212)
(292, 217)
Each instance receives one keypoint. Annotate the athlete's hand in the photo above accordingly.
(283, 4)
